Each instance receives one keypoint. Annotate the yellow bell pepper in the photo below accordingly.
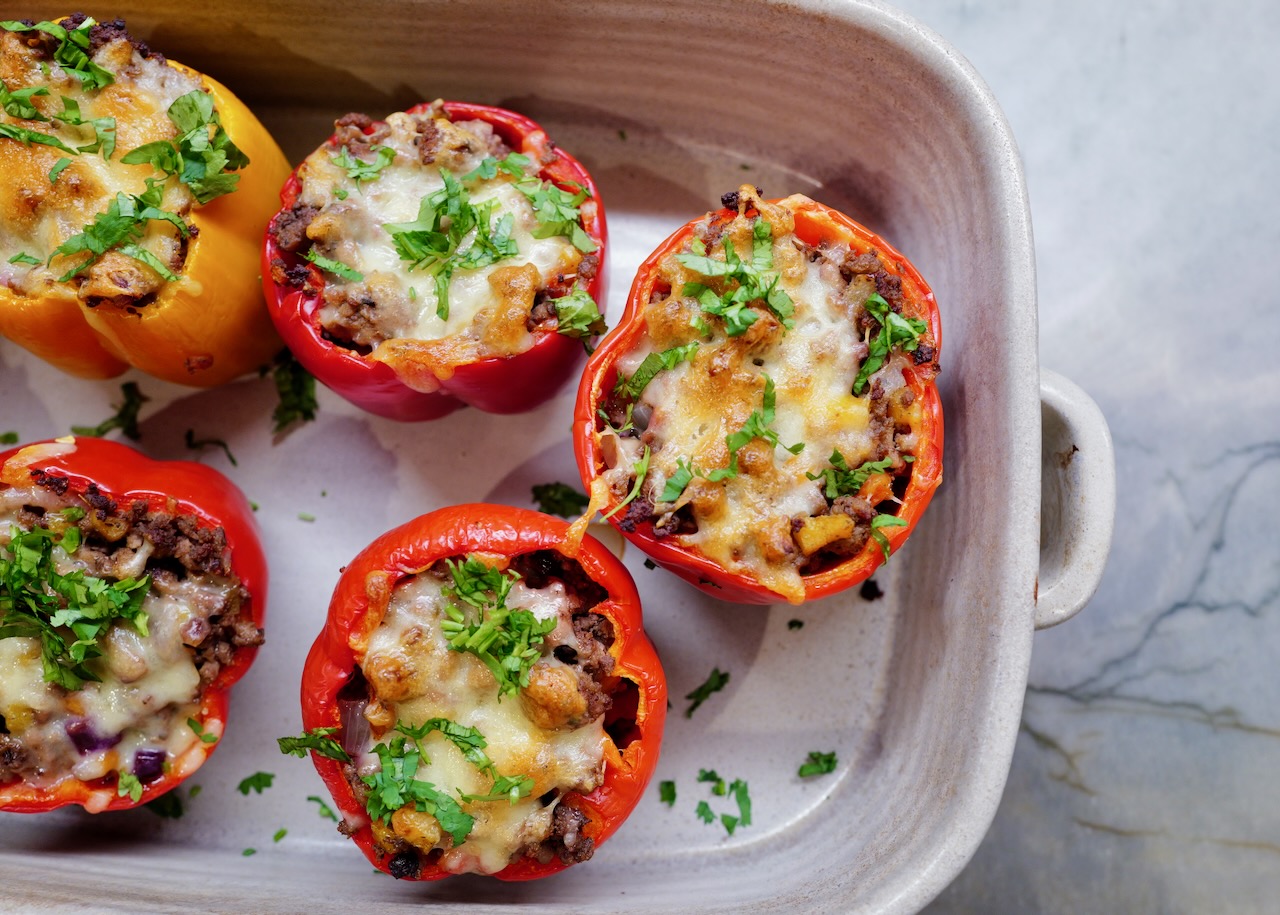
(206, 327)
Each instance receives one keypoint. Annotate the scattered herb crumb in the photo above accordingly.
(200, 444)
(296, 388)
(254, 505)
(326, 812)
(622, 135)
(195, 790)
(715, 682)
(258, 781)
(667, 793)
(870, 590)
(280, 834)
(650, 564)
(730, 823)
(249, 852)
(125, 418)
(559, 499)
(8, 438)
(795, 624)
(306, 516)
(818, 764)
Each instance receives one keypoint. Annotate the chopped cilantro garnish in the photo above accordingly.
(58, 168)
(479, 621)
(358, 170)
(125, 418)
(840, 480)
(72, 53)
(738, 788)
(555, 499)
(677, 482)
(667, 792)
(296, 388)
(18, 102)
(319, 740)
(505, 788)
(104, 129)
(729, 822)
(712, 778)
(579, 316)
(69, 614)
(121, 224)
(650, 366)
(705, 813)
(129, 786)
(28, 136)
(558, 211)
(325, 811)
(716, 681)
(757, 425)
(341, 194)
(748, 282)
(23, 258)
(394, 786)
(198, 729)
(258, 781)
(880, 521)
(337, 268)
(433, 242)
(513, 164)
(641, 470)
(818, 764)
(895, 330)
(202, 154)
(200, 444)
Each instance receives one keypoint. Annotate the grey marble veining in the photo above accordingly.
(1144, 778)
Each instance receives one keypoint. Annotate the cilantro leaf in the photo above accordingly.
(258, 781)
(895, 330)
(712, 777)
(880, 521)
(677, 482)
(198, 729)
(641, 470)
(555, 499)
(579, 316)
(667, 793)
(319, 740)
(358, 170)
(129, 786)
(705, 813)
(18, 102)
(201, 156)
(200, 444)
(125, 418)
(818, 764)
(716, 681)
(478, 621)
(325, 811)
(296, 389)
(650, 366)
(337, 268)
(122, 223)
(58, 168)
(23, 258)
(280, 834)
(840, 480)
(27, 136)
(9, 437)
(738, 788)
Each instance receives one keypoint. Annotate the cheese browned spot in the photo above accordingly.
(552, 732)
(135, 720)
(769, 518)
(39, 213)
(387, 305)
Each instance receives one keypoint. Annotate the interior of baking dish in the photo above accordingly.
(669, 104)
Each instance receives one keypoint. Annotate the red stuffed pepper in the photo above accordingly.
(450, 255)
(763, 421)
(132, 594)
(482, 698)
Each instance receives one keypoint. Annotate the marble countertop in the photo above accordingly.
(1144, 776)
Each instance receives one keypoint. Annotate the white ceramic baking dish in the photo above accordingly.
(919, 692)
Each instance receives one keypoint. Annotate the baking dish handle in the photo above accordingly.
(1077, 499)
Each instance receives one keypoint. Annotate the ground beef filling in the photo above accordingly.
(187, 563)
(591, 664)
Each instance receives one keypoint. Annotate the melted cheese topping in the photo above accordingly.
(488, 307)
(413, 671)
(37, 215)
(745, 523)
(149, 684)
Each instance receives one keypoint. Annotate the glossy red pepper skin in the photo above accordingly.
(814, 223)
(505, 384)
(506, 531)
(180, 487)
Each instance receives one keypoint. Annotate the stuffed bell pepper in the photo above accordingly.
(132, 594)
(482, 699)
(133, 196)
(450, 255)
(763, 421)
